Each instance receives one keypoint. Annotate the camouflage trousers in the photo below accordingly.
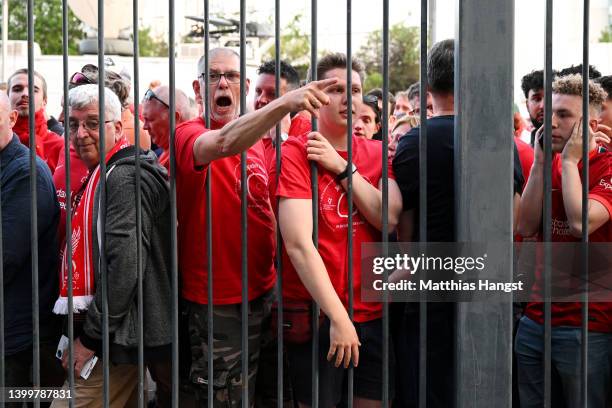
(227, 349)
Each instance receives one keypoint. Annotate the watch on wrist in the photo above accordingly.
(345, 173)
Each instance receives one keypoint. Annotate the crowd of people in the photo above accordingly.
(104, 232)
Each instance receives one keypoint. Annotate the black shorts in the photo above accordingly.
(333, 387)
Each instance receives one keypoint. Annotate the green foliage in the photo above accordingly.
(47, 26)
(150, 46)
(403, 58)
(295, 47)
(606, 34)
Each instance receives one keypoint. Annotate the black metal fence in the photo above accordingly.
(484, 50)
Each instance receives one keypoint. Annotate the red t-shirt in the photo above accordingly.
(526, 156)
(226, 225)
(333, 212)
(600, 189)
(78, 175)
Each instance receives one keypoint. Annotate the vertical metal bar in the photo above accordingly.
(423, 198)
(279, 238)
(102, 210)
(2, 360)
(584, 349)
(385, 199)
(68, 250)
(5, 20)
(349, 187)
(243, 218)
(208, 186)
(484, 363)
(33, 201)
(139, 271)
(173, 215)
(314, 181)
(547, 215)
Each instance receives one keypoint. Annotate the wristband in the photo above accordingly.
(344, 174)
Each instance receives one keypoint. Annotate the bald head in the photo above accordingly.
(217, 53)
(181, 100)
(156, 114)
(8, 117)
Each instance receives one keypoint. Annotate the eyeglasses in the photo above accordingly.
(78, 78)
(91, 125)
(151, 95)
(232, 77)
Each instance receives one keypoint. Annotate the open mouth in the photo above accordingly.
(223, 101)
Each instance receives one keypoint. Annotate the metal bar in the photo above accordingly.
(33, 201)
(208, 186)
(173, 214)
(484, 363)
(423, 197)
(102, 210)
(139, 271)
(279, 238)
(349, 187)
(68, 208)
(547, 215)
(315, 212)
(385, 200)
(584, 344)
(243, 218)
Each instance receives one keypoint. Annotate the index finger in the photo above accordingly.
(324, 83)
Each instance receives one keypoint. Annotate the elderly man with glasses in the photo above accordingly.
(120, 251)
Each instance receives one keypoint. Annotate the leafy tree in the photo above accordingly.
(606, 34)
(47, 25)
(294, 46)
(403, 58)
(150, 46)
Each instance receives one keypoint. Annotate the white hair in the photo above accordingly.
(83, 96)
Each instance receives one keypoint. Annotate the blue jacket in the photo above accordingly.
(16, 246)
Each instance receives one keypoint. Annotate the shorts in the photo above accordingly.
(227, 351)
(333, 382)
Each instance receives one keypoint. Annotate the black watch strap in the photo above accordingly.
(345, 173)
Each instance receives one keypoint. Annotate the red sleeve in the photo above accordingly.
(186, 135)
(299, 125)
(294, 180)
(602, 187)
(390, 167)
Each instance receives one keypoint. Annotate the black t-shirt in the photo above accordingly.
(440, 176)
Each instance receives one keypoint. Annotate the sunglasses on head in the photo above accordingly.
(151, 95)
(78, 78)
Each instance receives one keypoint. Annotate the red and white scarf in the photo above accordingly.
(83, 272)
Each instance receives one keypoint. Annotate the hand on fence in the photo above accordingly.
(319, 150)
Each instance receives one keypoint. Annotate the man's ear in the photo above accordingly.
(196, 90)
(118, 130)
(593, 123)
(13, 115)
(247, 85)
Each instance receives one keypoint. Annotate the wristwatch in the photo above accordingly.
(344, 174)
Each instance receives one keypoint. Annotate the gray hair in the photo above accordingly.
(83, 96)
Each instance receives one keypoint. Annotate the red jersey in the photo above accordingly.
(48, 143)
(600, 189)
(78, 176)
(333, 213)
(526, 156)
(226, 229)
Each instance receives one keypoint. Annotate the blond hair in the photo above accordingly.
(413, 121)
(572, 85)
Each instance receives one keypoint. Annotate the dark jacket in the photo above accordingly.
(16, 246)
(121, 246)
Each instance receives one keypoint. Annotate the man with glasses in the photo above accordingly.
(156, 116)
(120, 250)
(215, 152)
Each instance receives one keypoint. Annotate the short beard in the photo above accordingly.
(536, 124)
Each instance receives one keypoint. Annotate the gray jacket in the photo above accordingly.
(120, 251)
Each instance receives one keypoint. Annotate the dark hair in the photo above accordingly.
(577, 69)
(606, 84)
(441, 67)
(287, 72)
(371, 100)
(378, 93)
(112, 80)
(338, 60)
(25, 71)
(414, 90)
(532, 81)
